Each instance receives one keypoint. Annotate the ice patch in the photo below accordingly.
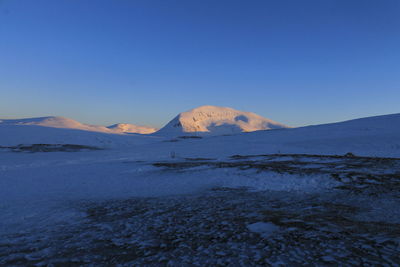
(265, 229)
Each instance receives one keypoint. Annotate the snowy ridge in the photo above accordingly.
(56, 122)
(60, 130)
(12, 135)
(66, 123)
(132, 128)
(213, 120)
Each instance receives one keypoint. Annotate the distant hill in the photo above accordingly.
(66, 123)
(131, 128)
(213, 120)
(371, 136)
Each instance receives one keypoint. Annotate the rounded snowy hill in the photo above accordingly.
(66, 123)
(131, 128)
(213, 120)
(55, 122)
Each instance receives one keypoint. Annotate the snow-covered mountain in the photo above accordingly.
(213, 120)
(371, 136)
(132, 128)
(66, 123)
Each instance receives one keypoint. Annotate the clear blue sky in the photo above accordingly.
(103, 62)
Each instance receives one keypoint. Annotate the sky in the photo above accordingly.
(144, 61)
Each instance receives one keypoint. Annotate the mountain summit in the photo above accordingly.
(213, 120)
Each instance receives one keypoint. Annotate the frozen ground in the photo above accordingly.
(291, 197)
(108, 207)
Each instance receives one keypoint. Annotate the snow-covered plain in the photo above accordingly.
(42, 191)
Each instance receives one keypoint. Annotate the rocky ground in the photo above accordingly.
(356, 223)
(48, 148)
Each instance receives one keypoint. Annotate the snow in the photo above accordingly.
(35, 184)
(132, 128)
(11, 135)
(213, 120)
(265, 229)
(374, 136)
(66, 123)
(41, 190)
(115, 171)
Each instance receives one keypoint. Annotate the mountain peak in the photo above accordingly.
(214, 120)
